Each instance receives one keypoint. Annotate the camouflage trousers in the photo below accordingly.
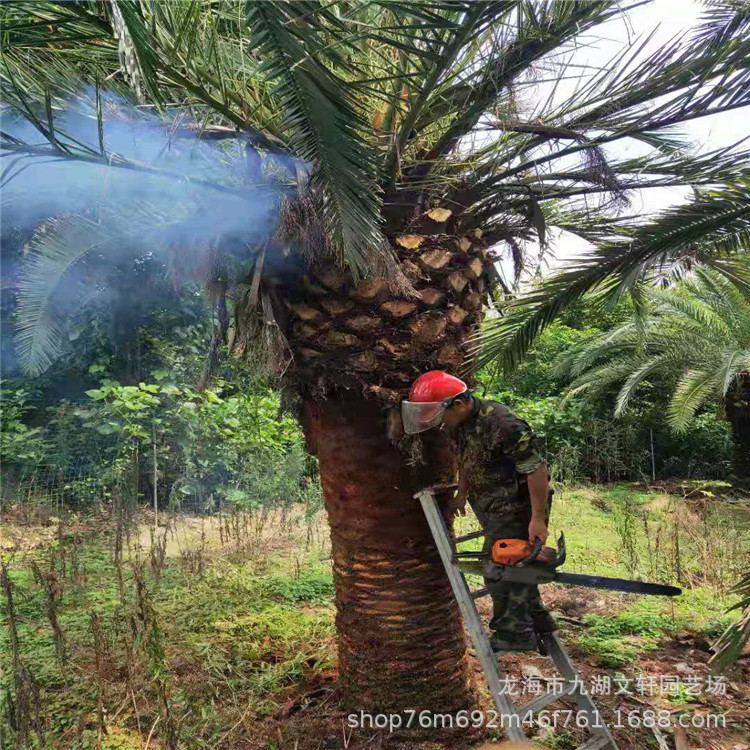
(516, 608)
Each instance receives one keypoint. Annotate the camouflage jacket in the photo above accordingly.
(496, 449)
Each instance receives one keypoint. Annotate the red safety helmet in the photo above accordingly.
(430, 395)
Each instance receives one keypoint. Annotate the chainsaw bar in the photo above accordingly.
(616, 584)
(517, 561)
(535, 574)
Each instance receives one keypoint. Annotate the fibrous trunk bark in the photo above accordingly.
(401, 641)
(357, 345)
(738, 412)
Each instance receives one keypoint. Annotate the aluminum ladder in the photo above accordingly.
(446, 545)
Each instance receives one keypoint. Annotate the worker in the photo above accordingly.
(504, 477)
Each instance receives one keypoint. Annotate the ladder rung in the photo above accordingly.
(468, 555)
(467, 537)
(544, 700)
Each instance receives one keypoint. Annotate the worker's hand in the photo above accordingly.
(538, 528)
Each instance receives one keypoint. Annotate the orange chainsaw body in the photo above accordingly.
(512, 551)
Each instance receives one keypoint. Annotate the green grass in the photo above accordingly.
(617, 640)
(239, 636)
(590, 538)
(702, 610)
(313, 585)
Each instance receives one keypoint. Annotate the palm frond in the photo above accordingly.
(692, 390)
(539, 29)
(62, 274)
(727, 280)
(729, 646)
(136, 52)
(714, 224)
(723, 20)
(171, 50)
(40, 323)
(60, 146)
(734, 271)
(698, 333)
(680, 71)
(322, 122)
(723, 166)
(599, 380)
(605, 345)
(635, 378)
(735, 363)
(434, 95)
(696, 312)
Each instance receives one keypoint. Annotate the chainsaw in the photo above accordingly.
(519, 561)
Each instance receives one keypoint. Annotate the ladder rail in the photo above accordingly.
(487, 658)
(541, 701)
(597, 726)
(465, 597)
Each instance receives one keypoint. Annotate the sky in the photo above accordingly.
(668, 18)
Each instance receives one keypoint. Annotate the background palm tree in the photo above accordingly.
(395, 143)
(695, 337)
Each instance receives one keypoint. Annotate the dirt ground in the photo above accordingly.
(684, 654)
(316, 713)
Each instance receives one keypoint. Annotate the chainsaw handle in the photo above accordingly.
(536, 549)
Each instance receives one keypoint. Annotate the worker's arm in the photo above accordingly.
(538, 484)
(523, 448)
(459, 501)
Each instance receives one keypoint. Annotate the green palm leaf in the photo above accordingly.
(635, 378)
(321, 121)
(138, 57)
(697, 334)
(713, 225)
(60, 276)
(694, 387)
(729, 646)
(600, 378)
(40, 323)
(695, 312)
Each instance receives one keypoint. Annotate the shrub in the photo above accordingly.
(20, 444)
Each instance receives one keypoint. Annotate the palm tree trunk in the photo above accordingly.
(738, 412)
(357, 347)
(401, 641)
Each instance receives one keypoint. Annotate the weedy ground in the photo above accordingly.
(219, 632)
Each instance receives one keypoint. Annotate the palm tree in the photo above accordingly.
(402, 143)
(696, 336)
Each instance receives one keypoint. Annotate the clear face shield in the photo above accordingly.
(421, 416)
